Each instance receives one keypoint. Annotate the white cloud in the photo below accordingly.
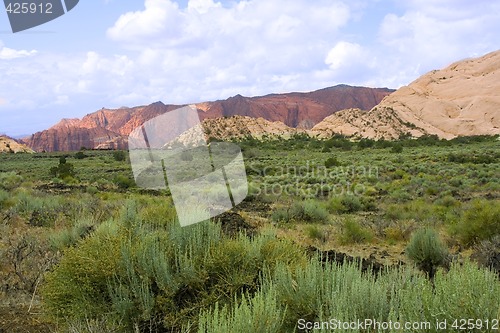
(8, 53)
(242, 47)
(158, 17)
(344, 55)
(202, 6)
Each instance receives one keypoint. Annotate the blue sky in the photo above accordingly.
(112, 53)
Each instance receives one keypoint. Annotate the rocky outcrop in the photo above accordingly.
(239, 127)
(109, 128)
(461, 99)
(9, 145)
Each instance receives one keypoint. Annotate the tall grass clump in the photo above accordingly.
(260, 313)
(427, 251)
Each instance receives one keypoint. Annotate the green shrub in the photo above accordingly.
(353, 232)
(480, 222)
(10, 180)
(80, 155)
(427, 251)
(123, 181)
(397, 148)
(281, 214)
(347, 203)
(314, 232)
(119, 155)
(332, 162)
(4, 199)
(465, 292)
(63, 170)
(313, 211)
(69, 237)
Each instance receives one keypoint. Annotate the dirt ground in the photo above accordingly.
(18, 320)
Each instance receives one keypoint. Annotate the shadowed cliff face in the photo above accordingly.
(109, 128)
(298, 110)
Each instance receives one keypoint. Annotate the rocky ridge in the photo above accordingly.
(109, 128)
(461, 99)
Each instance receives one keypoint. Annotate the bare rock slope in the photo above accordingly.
(9, 145)
(461, 99)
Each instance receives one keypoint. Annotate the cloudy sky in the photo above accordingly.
(112, 53)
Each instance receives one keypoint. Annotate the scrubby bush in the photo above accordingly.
(481, 221)
(4, 199)
(63, 170)
(123, 181)
(80, 155)
(319, 292)
(344, 204)
(352, 232)
(314, 232)
(145, 277)
(474, 158)
(397, 148)
(487, 253)
(332, 162)
(427, 251)
(348, 203)
(186, 156)
(119, 155)
(366, 143)
(10, 180)
(24, 258)
(281, 214)
(312, 211)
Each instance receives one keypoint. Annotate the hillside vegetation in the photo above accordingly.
(332, 231)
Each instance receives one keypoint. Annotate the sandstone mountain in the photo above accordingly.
(297, 110)
(9, 145)
(109, 128)
(461, 99)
